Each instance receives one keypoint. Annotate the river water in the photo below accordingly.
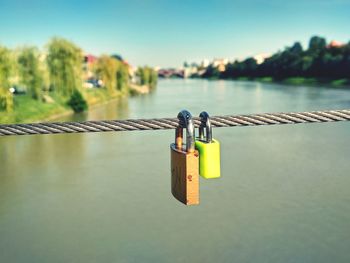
(284, 195)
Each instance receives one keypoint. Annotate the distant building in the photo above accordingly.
(132, 74)
(189, 71)
(171, 72)
(89, 61)
(335, 44)
(205, 63)
(220, 63)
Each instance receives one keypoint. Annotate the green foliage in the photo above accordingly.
(6, 65)
(237, 69)
(340, 82)
(29, 110)
(300, 81)
(147, 76)
(143, 74)
(319, 61)
(60, 77)
(212, 72)
(153, 78)
(64, 62)
(265, 79)
(113, 72)
(317, 44)
(6, 101)
(30, 75)
(77, 102)
(122, 78)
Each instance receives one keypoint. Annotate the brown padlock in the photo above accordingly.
(185, 162)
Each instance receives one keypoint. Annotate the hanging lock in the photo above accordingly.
(208, 148)
(185, 162)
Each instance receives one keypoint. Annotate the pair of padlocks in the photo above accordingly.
(199, 156)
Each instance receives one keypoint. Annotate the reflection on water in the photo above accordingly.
(284, 195)
(117, 109)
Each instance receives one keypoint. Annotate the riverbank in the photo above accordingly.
(28, 110)
(295, 81)
(139, 89)
(307, 81)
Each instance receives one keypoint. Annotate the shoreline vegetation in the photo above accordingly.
(293, 81)
(60, 80)
(320, 63)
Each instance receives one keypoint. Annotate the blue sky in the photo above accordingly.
(167, 33)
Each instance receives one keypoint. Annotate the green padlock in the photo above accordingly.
(209, 150)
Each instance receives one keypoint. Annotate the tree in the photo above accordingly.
(211, 72)
(122, 77)
(143, 74)
(6, 98)
(318, 61)
(297, 48)
(64, 62)
(117, 57)
(106, 69)
(148, 76)
(317, 43)
(153, 79)
(77, 102)
(113, 72)
(30, 75)
(249, 67)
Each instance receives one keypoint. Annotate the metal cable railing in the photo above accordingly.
(172, 123)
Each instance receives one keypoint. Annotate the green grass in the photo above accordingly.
(265, 79)
(243, 78)
(340, 82)
(300, 81)
(314, 81)
(28, 110)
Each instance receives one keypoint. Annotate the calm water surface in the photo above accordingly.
(284, 195)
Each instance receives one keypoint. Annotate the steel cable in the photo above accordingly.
(171, 123)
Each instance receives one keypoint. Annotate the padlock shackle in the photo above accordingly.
(185, 122)
(205, 123)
